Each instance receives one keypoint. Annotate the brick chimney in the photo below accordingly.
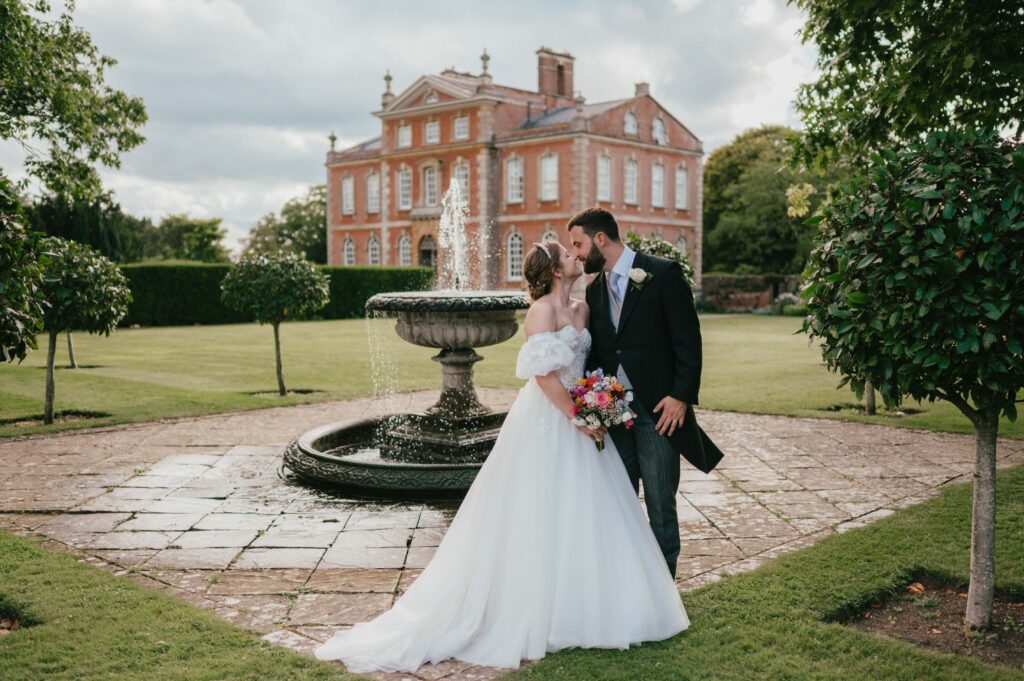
(554, 76)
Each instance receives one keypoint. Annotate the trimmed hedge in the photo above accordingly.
(732, 292)
(185, 293)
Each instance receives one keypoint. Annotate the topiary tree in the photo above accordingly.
(655, 245)
(21, 305)
(272, 288)
(84, 291)
(918, 287)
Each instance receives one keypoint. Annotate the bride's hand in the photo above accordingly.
(595, 434)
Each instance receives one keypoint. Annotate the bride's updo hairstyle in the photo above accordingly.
(539, 267)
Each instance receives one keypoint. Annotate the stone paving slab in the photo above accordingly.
(196, 508)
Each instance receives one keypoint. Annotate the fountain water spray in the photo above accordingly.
(437, 451)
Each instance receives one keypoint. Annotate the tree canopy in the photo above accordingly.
(747, 224)
(21, 263)
(892, 70)
(301, 228)
(55, 102)
(100, 223)
(182, 237)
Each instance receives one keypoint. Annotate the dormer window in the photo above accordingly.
(630, 126)
(658, 131)
(404, 136)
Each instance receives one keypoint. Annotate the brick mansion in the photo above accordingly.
(527, 161)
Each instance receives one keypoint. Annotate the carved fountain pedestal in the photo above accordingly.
(439, 451)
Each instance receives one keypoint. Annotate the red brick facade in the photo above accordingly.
(384, 195)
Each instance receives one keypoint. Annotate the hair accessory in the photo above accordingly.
(542, 248)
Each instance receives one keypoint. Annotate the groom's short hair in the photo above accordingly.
(594, 220)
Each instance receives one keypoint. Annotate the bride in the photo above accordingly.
(550, 548)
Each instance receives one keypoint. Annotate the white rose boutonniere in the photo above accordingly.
(639, 277)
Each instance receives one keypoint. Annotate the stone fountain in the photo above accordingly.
(439, 451)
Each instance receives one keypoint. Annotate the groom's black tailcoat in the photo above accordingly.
(658, 344)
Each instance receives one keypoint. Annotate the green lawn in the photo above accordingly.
(752, 364)
(773, 623)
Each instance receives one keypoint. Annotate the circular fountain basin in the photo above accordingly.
(347, 455)
(431, 454)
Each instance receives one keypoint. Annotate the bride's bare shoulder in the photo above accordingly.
(540, 318)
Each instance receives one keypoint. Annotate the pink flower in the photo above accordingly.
(602, 399)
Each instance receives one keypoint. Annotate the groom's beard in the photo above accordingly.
(594, 262)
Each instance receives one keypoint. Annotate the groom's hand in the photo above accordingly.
(672, 414)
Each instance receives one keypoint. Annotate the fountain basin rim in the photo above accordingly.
(447, 301)
(306, 443)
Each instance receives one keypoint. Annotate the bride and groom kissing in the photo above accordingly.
(550, 548)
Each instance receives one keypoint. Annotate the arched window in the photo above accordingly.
(548, 235)
(514, 181)
(428, 252)
(549, 177)
(658, 185)
(514, 257)
(681, 245)
(460, 171)
(348, 252)
(404, 189)
(682, 188)
(630, 125)
(373, 251)
(373, 193)
(430, 186)
(405, 251)
(629, 182)
(658, 131)
(604, 178)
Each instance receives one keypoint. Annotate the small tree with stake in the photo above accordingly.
(84, 291)
(917, 285)
(273, 288)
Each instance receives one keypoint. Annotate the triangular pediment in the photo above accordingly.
(427, 91)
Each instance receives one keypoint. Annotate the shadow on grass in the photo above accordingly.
(59, 417)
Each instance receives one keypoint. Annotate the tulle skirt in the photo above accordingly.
(548, 550)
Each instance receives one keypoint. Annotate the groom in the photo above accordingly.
(645, 331)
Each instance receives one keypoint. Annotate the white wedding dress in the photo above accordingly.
(548, 550)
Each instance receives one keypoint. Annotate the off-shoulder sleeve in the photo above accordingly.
(543, 353)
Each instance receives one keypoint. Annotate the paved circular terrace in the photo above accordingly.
(195, 508)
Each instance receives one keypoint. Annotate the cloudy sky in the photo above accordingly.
(242, 95)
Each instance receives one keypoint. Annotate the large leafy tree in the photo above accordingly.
(99, 223)
(186, 238)
(84, 291)
(917, 287)
(748, 226)
(301, 227)
(21, 303)
(892, 70)
(272, 288)
(54, 100)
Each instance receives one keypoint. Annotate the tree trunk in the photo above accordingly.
(73, 363)
(280, 371)
(869, 398)
(983, 524)
(51, 354)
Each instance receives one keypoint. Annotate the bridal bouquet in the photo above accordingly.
(600, 401)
